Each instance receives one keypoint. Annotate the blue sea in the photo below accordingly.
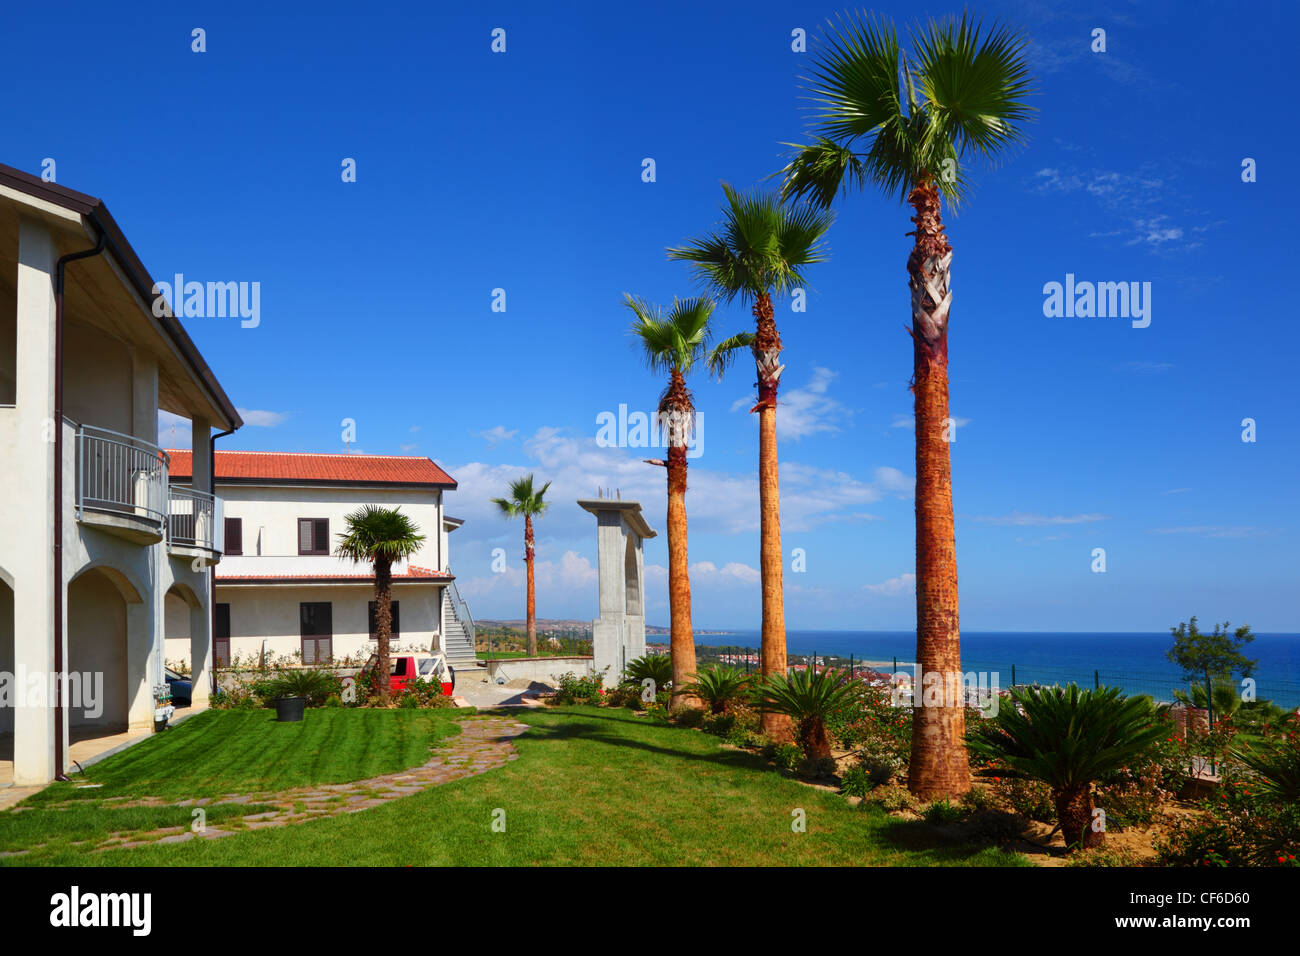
(1135, 662)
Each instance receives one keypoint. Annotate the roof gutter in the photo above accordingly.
(59, 274)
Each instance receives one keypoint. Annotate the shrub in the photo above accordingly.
(624, 695)
(978, 800)
(1028, 798)
(719, 725)
(1240, 827)
(1069, 739)
(787, 756)
(718, 686)
(817, 767)
(856, 782)
(892, 797)
(880, 769)
(809, 698)
(333, 700)
(941, 811)
(1105, 856)
(653, 667)
(315, 685)
(578, 690)
(688, 716)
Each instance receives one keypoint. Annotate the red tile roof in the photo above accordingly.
(274, 466)
(412, 574)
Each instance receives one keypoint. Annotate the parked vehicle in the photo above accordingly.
(181, 688)
(405, 668)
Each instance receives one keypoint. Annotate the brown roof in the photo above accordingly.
(254, 467)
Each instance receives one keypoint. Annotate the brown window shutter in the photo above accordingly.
(234, 536)
(322, 535)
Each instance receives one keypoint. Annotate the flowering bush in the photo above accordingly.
(1238, 828)
(579, 690)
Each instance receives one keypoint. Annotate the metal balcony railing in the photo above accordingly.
(121, 474)
(191, 518)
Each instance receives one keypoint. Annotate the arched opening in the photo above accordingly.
(631, 580)
(98, 698)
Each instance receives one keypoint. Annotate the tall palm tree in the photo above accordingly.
(675, 343)
(760, 253)
(965, 99)
(526, 501)
(380, 536)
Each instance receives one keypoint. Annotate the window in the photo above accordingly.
(316, 626)
(313, 536)
(374, 634)
(234, 536)
(221, 636)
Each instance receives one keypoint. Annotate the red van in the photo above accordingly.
(404, 668)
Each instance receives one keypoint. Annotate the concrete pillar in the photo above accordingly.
(144, 396)
(201, 454)
(618, 636)
(142, 669)
(31, 481)
(201, 654)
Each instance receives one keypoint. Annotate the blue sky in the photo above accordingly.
(523, 171)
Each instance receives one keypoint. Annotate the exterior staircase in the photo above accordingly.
(458, 630)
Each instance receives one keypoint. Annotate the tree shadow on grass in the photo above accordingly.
(943, 842)
(580, 729)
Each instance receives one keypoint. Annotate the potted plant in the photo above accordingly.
(293, 690)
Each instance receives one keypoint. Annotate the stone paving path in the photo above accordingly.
(484, 743)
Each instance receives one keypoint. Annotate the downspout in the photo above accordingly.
(59, 271)
(212, 574)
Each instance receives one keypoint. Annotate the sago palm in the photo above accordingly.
(1277, 762)
(718, 685)
(1069, 739)
(656, 668)
(527, 502)
(380, 536)
(676, 342)
(907, 124)
(760, 253)
(809, 698)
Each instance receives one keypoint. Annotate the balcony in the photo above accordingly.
(194, 523)
(121, 484)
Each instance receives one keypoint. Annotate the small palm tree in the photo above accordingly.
(657, 668)
(675, 343)
(380, 536)
(1225, 696)
(760, 253)
(1069, 738)
(527, 502)
(1278, 764)
(808, 697)
(718, 685)
(965, 99)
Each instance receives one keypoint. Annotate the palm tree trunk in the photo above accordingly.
(383, 625)
(939, 764)
(676, 405)
(767, 358)
(1074, 814)
(531, 613)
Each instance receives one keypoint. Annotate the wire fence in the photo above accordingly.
(1283, 691)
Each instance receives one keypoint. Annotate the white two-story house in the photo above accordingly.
(281, 590)
(94, 535)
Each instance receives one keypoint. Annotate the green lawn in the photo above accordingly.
(592, 786)
(239, 751)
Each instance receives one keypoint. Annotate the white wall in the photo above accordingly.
(270, 613)
(270, 524)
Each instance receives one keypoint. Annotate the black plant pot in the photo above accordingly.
(290, 709)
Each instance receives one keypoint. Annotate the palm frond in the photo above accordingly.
(725, 352)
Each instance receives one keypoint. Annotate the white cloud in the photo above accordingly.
(498, 434)
(259, 418)
(902, 584)
(409, 447)
(717, 501)
(806, 410)
(1022, 519)
(1217, 531)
